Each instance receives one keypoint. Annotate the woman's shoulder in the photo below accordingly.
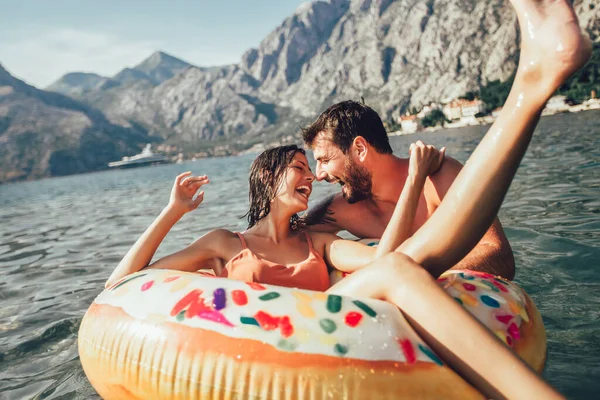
(221, 235)
(222, 241)
(217, 237)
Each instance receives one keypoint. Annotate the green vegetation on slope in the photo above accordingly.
(579, 86)
(577, 89)
(436, 117)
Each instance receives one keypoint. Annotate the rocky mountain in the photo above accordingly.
(196, 105)
(395, 54)
(77, 83)
(48, 134)
(154, 70)
(159, 67)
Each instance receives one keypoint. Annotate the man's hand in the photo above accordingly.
(425, 160)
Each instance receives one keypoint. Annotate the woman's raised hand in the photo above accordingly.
(425, 160)
(184, 189)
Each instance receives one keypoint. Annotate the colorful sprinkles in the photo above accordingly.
(125, 280)
(469, 287)
(328, 325)
(249, 321)
(368, 310)
(326, 318)
(408, 350)
(429, 353)
(171, 278)
(219, 299)
(334, 303)
(340, 349)
(269, 296)
(256, 286)
(489, 301)
(353, 318)
(239, 297)
(493, 300)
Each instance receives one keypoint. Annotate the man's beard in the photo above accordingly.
(357, 182)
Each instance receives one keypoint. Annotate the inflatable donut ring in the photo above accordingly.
(160, 334)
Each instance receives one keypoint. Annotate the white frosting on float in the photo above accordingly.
(304, 321)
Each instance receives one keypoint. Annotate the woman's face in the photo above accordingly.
(296, 186)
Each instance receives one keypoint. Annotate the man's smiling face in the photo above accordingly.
(336, 167)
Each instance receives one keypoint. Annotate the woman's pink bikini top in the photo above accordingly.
(310, 274)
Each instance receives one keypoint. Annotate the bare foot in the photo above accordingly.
(552, 44)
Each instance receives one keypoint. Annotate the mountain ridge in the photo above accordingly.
(155, 69)
(396, 54)
(46, 134)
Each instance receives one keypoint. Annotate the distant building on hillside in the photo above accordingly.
(425, 111)
(460, 108)
(472, 108)
(555, 105)
(452, 110)
(590, 104)
(410, 123)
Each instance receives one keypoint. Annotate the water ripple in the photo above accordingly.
(60, 238)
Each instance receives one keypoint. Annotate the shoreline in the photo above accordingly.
(488, 120)
(257, 148)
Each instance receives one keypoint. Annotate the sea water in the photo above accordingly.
(60, 239)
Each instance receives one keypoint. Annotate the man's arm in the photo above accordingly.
(493, 253)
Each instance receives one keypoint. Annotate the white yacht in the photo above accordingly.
(146, 157)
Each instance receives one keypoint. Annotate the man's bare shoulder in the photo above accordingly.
(328, 214)
(321, 217)
(438, 184)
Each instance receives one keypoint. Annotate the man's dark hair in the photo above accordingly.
(345, 121)
(267, 171)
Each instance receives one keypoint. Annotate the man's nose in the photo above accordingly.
(321, 174)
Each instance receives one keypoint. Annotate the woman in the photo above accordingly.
(552, 50)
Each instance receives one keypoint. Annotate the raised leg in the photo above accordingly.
(459, 339)
(552, 49)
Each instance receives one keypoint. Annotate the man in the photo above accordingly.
(351, 148)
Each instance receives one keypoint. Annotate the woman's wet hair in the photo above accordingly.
(266, 172)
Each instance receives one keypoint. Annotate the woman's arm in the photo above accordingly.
(424, 160)
(181, 202)
(210, 246)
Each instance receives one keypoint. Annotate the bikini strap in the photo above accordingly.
(244, 245)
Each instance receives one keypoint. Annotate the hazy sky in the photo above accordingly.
(40, 40)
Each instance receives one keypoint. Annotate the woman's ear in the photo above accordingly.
(360, 148)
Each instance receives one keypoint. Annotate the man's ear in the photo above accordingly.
(360, 148)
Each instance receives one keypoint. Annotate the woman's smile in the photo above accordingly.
(304, 190)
